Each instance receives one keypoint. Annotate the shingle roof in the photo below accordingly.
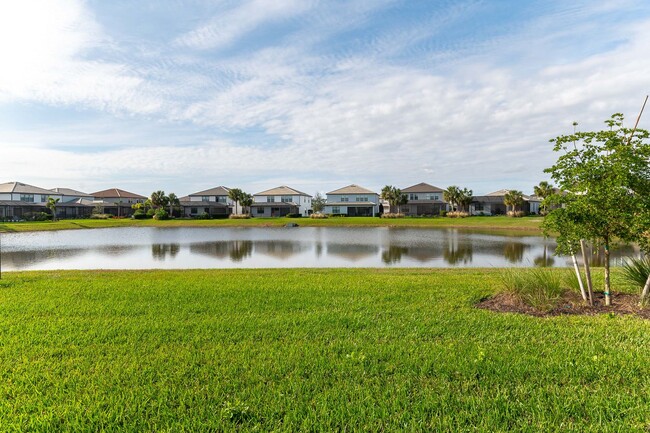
(423, 187)
(275, 204)
(352, 189)
(68, 191)
(217, 190)
(282, 190)
(18, 187)
(116, 192)
(351, 203)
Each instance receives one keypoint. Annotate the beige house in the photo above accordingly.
(281, 201)
(117, 202)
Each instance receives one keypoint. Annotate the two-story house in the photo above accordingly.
(423, 199)
(117, 202)
(214, 202)
(73, 204)
(281, 201)
(20, 200)
(352, 200)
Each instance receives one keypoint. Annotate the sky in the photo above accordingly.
(182, 96)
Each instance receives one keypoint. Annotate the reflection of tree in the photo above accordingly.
(544, 261)
(239, 250)
(353, 251)
(618, 254)
(161, 251)
(393, 254)
(514, 252)
(456, 254)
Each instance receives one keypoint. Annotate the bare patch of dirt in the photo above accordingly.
(570, 304)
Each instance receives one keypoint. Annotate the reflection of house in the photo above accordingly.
(116, 201)
(214, 202)
(352, 200)
(492, 204)
(423, 199)
(281, 201)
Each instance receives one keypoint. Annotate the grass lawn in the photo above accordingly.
(307, 350)
(485, 223)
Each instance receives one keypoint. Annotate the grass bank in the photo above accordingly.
(307, 350)
(529, 224)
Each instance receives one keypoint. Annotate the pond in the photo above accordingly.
(184, 248)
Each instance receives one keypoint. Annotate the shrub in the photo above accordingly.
(540, 288)
(515, 213)
(203, 216)
(37, 216)
(317, 216)
(240, 216)
(139, 215)
(392, 215)
(151, 213)
(294, 215)
(636, 271)
(101, 216)
(443, 213)
(457, 214)
(161, 214)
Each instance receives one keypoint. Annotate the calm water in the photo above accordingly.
(147, 248)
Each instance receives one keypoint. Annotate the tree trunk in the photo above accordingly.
(608, 298)
(585, 259)
(577, 269)
(644, 292)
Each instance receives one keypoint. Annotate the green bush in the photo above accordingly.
(294, 215)
(540, 288)
(443, 213)
(37, 216)
(101, 216)
(139, 215)
(203, 216)
(151, 213)
(636, 271)
(392, 215)
(239, 216)
(161, 214)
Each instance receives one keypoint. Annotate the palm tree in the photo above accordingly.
(246, 200)
(159, 199)
(394, 196)
(235, 195)
(543, 191)
(51, 205)
(174, 202)
(514, 199)
(452, 196)
(386, 193)
(464, 199)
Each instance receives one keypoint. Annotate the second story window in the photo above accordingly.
(205, 198)
(270, 199)
(286, 199)
(344, 198)
(413, 196)
(29, 198)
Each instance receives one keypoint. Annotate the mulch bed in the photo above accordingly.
(570, 304)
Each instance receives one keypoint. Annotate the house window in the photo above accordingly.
(222, 199)
(270, 199)
(413, 197)
(286, 199)
(344, 198)
(205, 198)
(478, 207)
(435, 197)
(260, 210)
(336, 210)
(362, 198)
(27, 198)
(43, 198)
(194, 210)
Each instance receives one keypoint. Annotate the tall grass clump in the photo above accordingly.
(540, 288)
(636, 271)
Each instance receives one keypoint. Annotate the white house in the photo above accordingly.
(281, 201)
(352, 200)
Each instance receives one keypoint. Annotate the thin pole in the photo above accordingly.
(637, 120)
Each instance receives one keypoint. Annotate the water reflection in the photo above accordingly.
(141, 248)
(161, 251)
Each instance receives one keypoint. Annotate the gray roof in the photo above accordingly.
(217, 190)
(68, 191)
(18, 187)
(275, 204)
(351, 203)
(116, 193)
(351, 189)
(188, 203)
(282, 190)
(423, 187)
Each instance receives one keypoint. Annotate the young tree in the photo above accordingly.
(394, 196)
(544, 190)
(603, 176)
(452, 196)
(514, 199)
(235, 195)
(318, 203)
(464, 199)
(51, 205)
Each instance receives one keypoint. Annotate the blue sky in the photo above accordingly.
(186, 95)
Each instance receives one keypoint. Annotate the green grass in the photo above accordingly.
(483, 223)
(307, 350)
